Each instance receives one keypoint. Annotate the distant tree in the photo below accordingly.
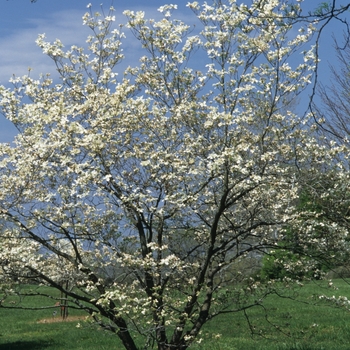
(173, 172)
(331, 112)
(334, 109)
(296, 255)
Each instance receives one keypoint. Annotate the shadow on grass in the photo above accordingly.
(295, 347)
(25, 345)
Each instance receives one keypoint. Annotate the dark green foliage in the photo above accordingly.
(274, 265)
(296, 257)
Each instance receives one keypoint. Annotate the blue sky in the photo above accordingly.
(22, 21)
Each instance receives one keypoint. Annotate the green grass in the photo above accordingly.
(301, 326)
(285, 324)
(20, 330)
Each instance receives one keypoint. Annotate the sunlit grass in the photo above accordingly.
(283, 324)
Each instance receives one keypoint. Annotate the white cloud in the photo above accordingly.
(19, 50)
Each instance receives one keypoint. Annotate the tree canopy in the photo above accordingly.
(148, 190)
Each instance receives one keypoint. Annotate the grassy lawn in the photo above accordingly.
(301, 326)
(35, 330)
(285, 325)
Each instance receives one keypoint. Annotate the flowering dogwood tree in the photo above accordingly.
(169, 174)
